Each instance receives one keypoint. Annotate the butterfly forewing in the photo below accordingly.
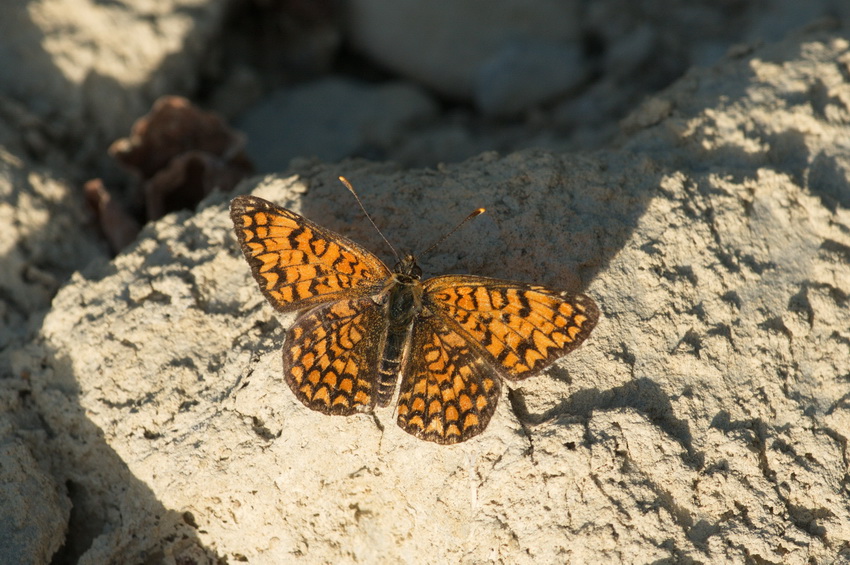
(298, 263)
(523, 327)
(331, 355)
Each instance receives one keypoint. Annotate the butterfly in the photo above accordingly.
(363, 329)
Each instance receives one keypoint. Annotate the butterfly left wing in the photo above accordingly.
(448, 388)
(523, 328)
(331, 355)
(298, 263)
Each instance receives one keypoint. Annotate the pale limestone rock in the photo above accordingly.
(703, 420)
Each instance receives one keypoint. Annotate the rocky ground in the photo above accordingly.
(685, 164)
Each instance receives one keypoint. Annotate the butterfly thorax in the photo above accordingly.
(404, 292)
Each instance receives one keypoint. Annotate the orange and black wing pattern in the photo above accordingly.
(448, 390)
(523, 328)
(298, 263)
(471, 332)
(331, 355)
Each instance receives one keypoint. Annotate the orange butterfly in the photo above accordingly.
(361, 325)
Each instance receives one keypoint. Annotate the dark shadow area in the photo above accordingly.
(828, 180)
(789, 154)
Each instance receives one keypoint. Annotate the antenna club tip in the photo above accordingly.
(480, 211)
(347, 184)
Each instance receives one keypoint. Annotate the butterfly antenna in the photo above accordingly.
(350, 188)
(472, 215)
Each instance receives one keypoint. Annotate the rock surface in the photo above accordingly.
(706, 419)
(634, 47)
(66, 60)
(526, 74)
(35, 510)
(42, 241)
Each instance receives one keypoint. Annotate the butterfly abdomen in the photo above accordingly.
(390, 363)
(403, 305)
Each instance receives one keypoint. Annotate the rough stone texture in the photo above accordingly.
(42, 241)
(65, 59)
(706, 418)
(35, 510)
(634, 44)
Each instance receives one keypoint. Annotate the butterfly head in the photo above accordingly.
(408, 268)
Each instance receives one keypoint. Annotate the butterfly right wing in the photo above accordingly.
(524, 328)
(298, 263)
(471, 331)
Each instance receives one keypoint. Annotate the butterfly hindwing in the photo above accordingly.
(448, 390)
(331, 355)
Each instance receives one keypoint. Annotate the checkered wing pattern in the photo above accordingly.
(298, 263)
(331, 355)
(448, 390)
(523, 328)
(469, 333)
